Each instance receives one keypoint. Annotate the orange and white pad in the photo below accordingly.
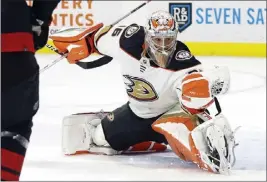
(77, 42)
(176, 126)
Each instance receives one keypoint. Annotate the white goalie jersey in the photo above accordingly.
(152, 90)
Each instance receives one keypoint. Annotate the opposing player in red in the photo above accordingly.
(24, 30)
(172, 100)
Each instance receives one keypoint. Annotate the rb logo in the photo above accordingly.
(182, 13)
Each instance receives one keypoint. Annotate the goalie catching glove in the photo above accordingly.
(77, 42)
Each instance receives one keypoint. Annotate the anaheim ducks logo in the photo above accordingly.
(110, 116)
(140, 89)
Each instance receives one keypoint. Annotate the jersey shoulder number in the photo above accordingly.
(117, 31)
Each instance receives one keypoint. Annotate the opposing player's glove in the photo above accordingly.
(77, 42)
(40, 30)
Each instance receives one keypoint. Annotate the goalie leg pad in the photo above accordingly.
(81, 136)
(119, 131)
(176, 126)
(177, 134)
(83, 133)
(77, 131)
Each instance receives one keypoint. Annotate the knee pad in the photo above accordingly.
(99, 137)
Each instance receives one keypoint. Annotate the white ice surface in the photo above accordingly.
(66, 89)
